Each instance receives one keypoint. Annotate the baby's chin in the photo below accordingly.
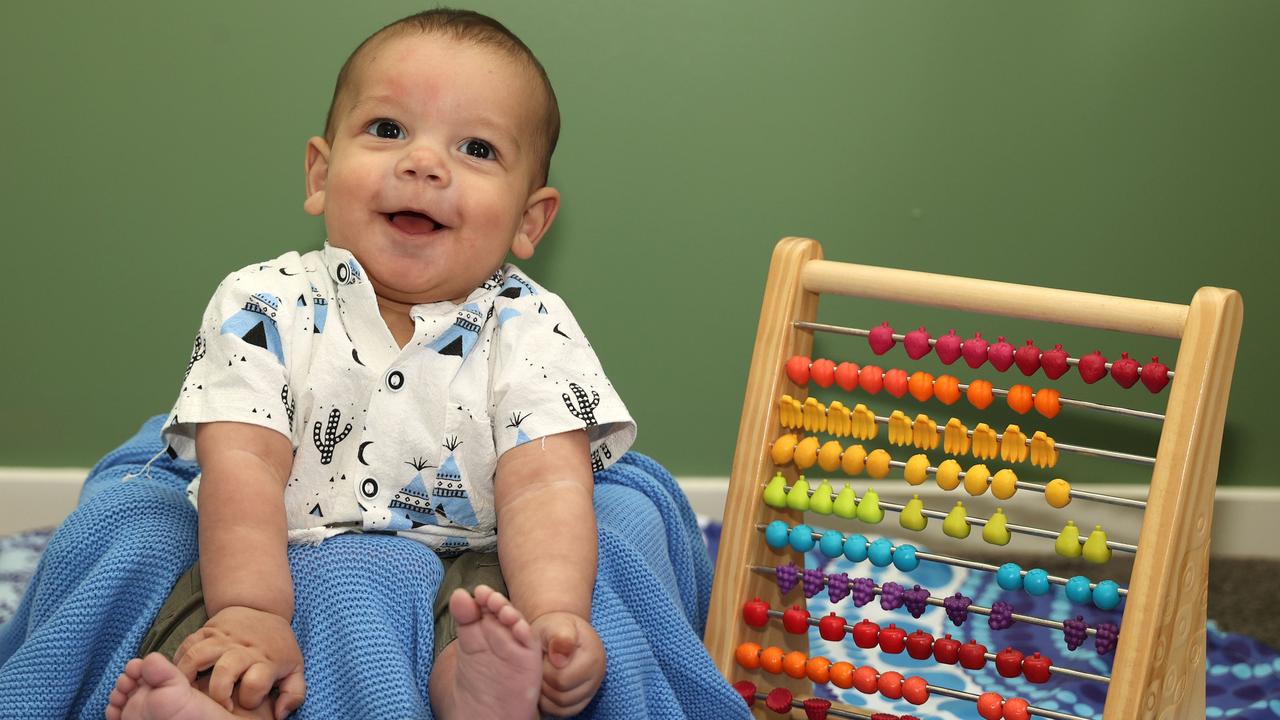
(407, 290)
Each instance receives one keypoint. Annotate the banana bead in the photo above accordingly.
(1043, 453)
(864, 423)
(955, 438)
(839, 421)
(784, 449)
(925, 433)
(899, 429)
(984, 445)
(1013, 446)
(789, 414)
(815, 415)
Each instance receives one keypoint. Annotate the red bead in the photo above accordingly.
(798, 370)
(890, 685)
(779, 700)
(990, 706)
(847, 376)
(755, 612)
(866, 680)
(915, 689)
(893, 639)
(747, 690)
(871, 378)
(831, 628)
(1036, 668)
(816, 708)
(973, 655)
(1009, 662)
(946, 650)
(1016, 709)
(920, 645)
(823, 372)
(866, 634)
(796, 619)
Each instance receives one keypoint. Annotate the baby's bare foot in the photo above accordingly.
(152, 688)
(494, 669)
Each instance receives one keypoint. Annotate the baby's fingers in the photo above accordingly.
(255, 683)
(293, 689)
(226, 672)
(195, 656)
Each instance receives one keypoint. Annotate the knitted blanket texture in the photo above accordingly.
(363, 613)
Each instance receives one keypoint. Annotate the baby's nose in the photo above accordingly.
(423, 162)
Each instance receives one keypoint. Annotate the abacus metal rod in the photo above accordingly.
(1082, 494)
(1077, 449)
(989, 656)
(1042, 712)
(1117, 409)
(841, 330)
(961, 562)
(833, 711)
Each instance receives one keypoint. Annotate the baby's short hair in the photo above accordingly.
(467, 26)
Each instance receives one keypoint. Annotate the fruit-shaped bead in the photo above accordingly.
(831, 628)
(1095, 547)
(948, 475)
(1009, 576)
(1036, 582)
(955, 437)
(855, 548)
(904, 558)
(841, 675)
(878, 463)
(956, 525)
(798, 495)
(1048, 402)
(1058, 493)
(1054, 362)
(1092, 367)
(921, 385)
(829, 456)
(771, 659)
(974, 350)
(847, 376)
(895, 382)
(947, 389)
(866, 680)
(806, 453)
(893, 639)
(1125, 371)
(821, 501)
(916, 343)
(1027, 358)
(846, 504)
(793, 664)
(1009, 663)
(783, 449)
(919, 645)
(795, 620)
(996, 531)
(775, 493)
(946, 650)
(798, 370)
(979, 394)
(1106, 596)
(990, 706)
(1020, 399)
(831, 543)
(889, 684)
(871, 379)
(866, 634)
(948, 347)
(881, 552)
(801, 538)
(747, 690)
(755, 612)
(1000, 354)
(822, 372)
(1036, 668)
(1016, 709)
(1155, 375)
(1079, 590)
(777, 535)
(881, 339)
(973, 655)
(915, 690)
(748, 655)
(869, 510)
(854, 460)
(917, 469)
(1068, 542)
(1004, 484)
(912, 516)
(818, 669)
(975, 480)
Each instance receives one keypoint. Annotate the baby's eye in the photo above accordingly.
(478, 149)
(386, 129)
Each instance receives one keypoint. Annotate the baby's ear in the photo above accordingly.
(317, 171)
(539, 211)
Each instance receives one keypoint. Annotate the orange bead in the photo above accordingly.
(1048, 403)
(748, 655)
(865, 679)
(1016, 709)
(895, 382)
(1020, 399)
(947, 389)
(847, 376)
(979, 394)
(842, 675)
(771, 659)
(818, 669)
(990, 705)
(871, 378)
(921, 385)
(890, 685)
(794, 664)
(916, 690)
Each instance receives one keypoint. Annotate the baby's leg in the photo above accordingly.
(493, 671)
(152, 688)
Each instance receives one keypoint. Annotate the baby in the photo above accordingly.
(401, 380)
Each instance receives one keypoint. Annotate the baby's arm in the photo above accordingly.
(547, 545)
(244, 568)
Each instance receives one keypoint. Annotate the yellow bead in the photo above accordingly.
(854, 460)
(917, 469)
(1068, 543)
(1004, 484)
(912, 516)
(1095, 548)
(784, 449)
(806, 453)
(829, 456)
(975, 481)
(996, 531)
(956, 525)
(878, 463)
(948, 477)
(1058, 493)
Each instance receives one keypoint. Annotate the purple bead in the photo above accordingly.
(957, 608)
(891, 596)
(864, 590)
(1074, 632)
(1001, 615)
(787, 575)
(838, 586)
(916, 599)
(1105, 639)
(813, 581)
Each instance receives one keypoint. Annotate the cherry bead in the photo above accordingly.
(747, 690)
(990, 706)
(866, 680)
(779, 700)
(1016, 709)
(916, 690)
(890, 685)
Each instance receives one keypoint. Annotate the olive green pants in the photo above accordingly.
(183, 612)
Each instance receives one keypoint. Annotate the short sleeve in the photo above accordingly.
(239, 370)
(546, 379)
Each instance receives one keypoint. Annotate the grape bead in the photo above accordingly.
(831, 544)
(1107, 595)
(915, 600)
(1073, 631)
(855, 548)
(838, 586)
(1009, 576)
(1036, 582)
(787, 576)
(801, 538)
(881, 552)
(904, 558)
(891, 596)
(957, 607)
(776, 534)
(813, 581)
(864, 590)
(1079, 591)
(1001, 615)
(1105, 639)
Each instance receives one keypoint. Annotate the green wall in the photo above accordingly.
(1124, 148)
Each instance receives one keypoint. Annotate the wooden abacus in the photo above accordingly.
(1159, 668)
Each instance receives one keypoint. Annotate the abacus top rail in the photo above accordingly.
(1107, 312)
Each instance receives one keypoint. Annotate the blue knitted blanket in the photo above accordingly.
(364, 602)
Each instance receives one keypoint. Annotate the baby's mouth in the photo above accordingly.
(413, 222)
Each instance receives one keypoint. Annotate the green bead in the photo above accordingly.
(846, 504)
(996, 531)
(911, 516)
(1068, 543)
(1095, 548)
(821, 501)
(798, 497)
(869, 510)
(775, 495)
(956, 525)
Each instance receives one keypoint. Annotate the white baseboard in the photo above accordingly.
(42, 497)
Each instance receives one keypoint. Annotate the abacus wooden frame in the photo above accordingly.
(1159, 669)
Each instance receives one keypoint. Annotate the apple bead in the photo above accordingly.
(974, 350)
(973, 655)
(1000, 354)
(831, 627)
(948, 347)
(893, 639)
(1092, 367)
(1125, 371)
(847, 376)
(895, 382)
(946, 650)
(881, 339)
(866, 634)
(796, 619)
(755, 612)
(1054, 362)
(916, 343)
(1155, 375)
(871, 378)
(1028, 358)
(920, 645)
(1009, 662)
(1036, 668)
(798, 370)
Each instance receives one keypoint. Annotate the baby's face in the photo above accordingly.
(433, 172)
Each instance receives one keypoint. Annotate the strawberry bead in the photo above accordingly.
(881, 339)
(1000, 354)
(1155, 375)
(1028, 359)
(974, 350)
(916, 343)
(1054, 362)
(1092, 367)
(948, 347)
(1125, 371)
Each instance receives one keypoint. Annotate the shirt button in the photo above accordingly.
(395, 380)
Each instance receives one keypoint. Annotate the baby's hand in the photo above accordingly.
(257, 649)
(573, 662)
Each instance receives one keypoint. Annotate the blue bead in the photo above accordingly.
(1078, 590)
(1036, 582)
(881, 552)
(802, 538)
(855, 548)
(1107, 595)
(831, 544)
(1009, 576)
(776, 534)
(904, 558)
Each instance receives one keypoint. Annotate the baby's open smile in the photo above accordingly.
(413, 222)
